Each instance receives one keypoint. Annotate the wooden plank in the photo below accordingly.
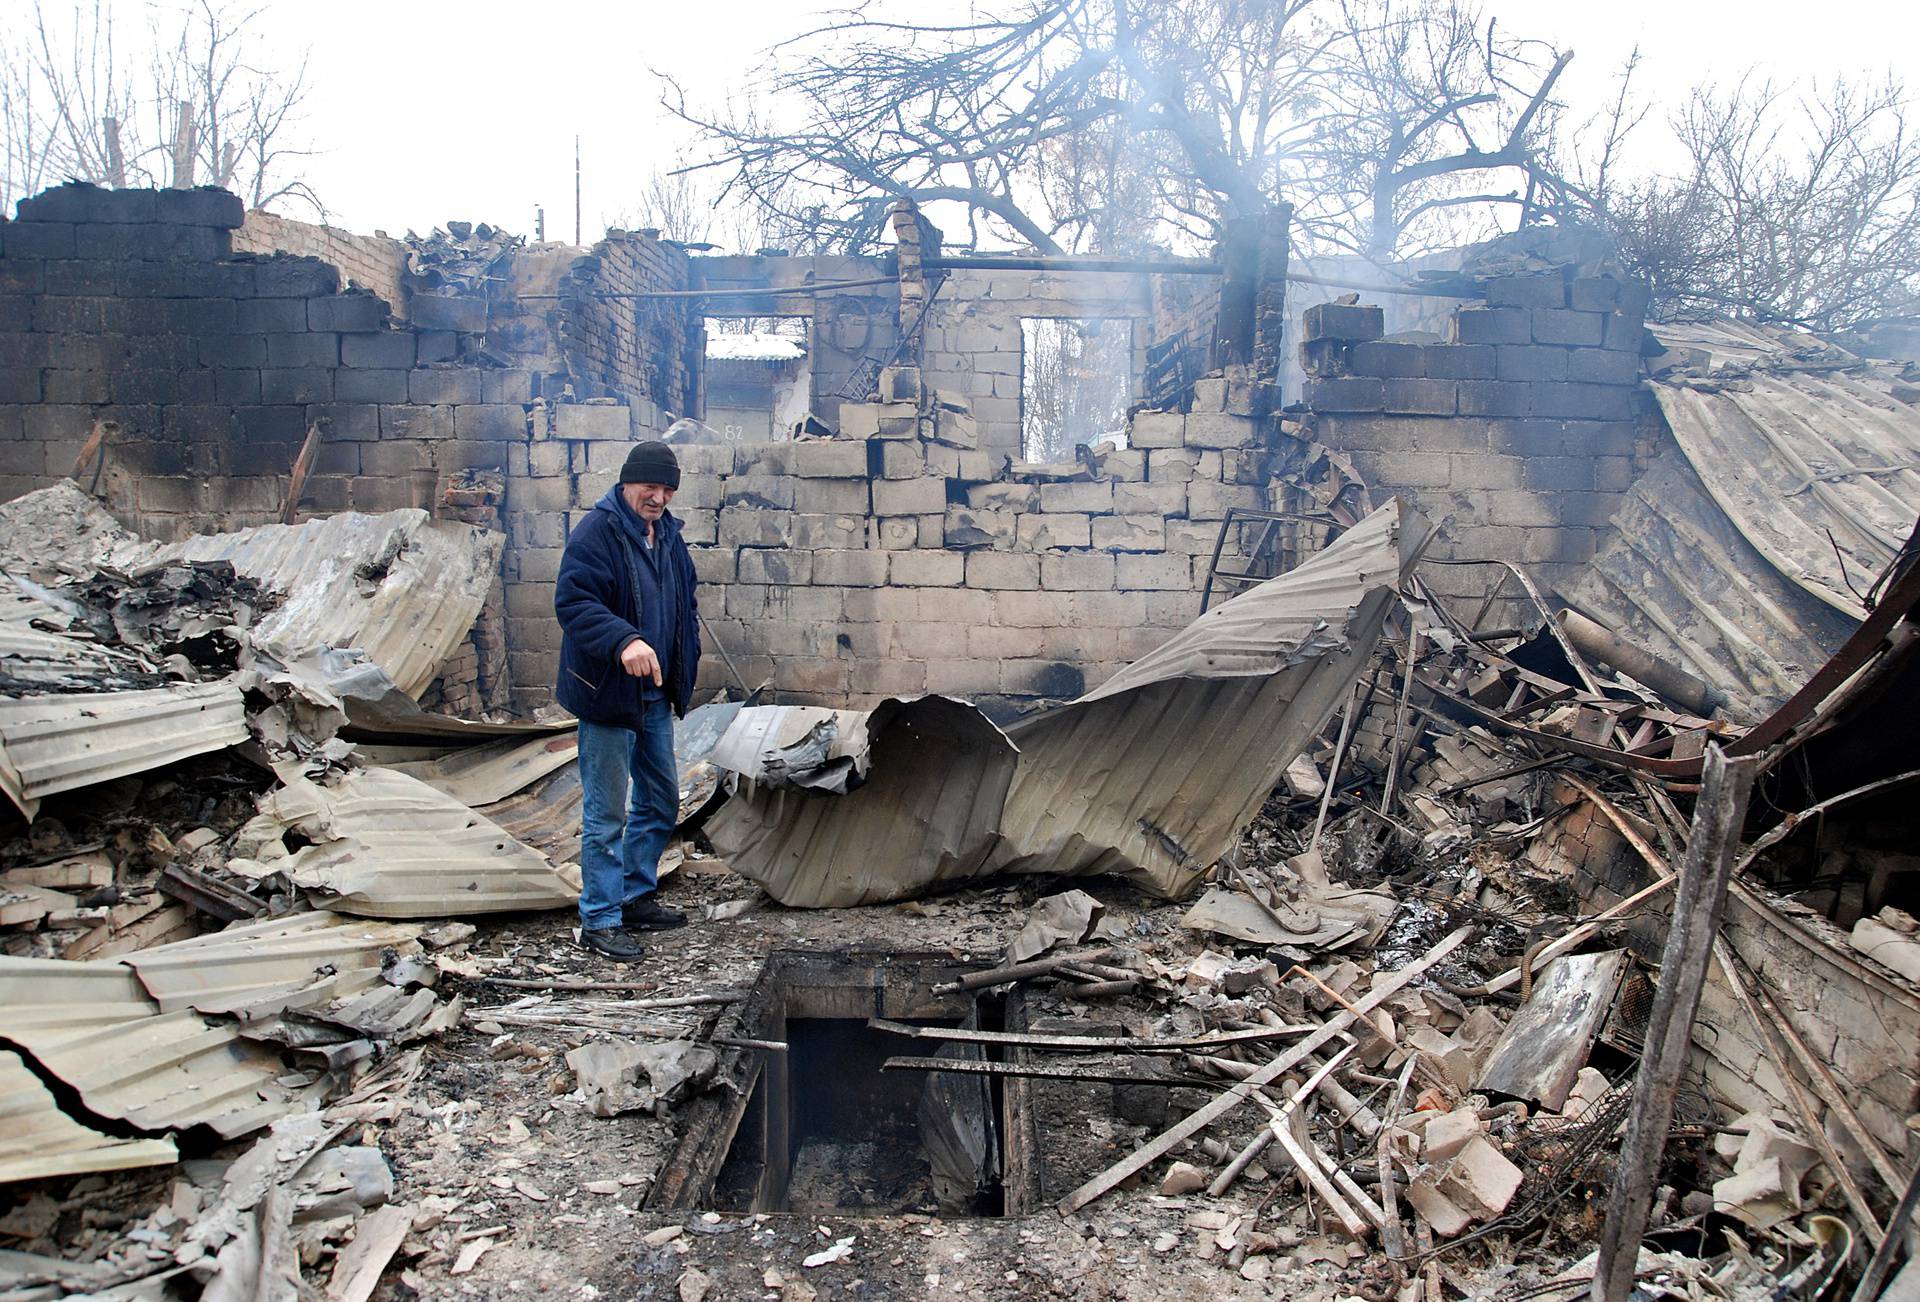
(1200, 1119)
(1699, 901)
(1084, 1043)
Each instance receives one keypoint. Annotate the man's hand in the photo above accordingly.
(638, 659)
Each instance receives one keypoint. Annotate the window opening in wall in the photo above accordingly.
(759, 376)
(1076, 381)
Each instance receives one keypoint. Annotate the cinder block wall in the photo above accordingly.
(373, 262)
(1518, 434)
(973, 335)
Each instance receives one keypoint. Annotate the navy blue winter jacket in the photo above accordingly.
(611, 590)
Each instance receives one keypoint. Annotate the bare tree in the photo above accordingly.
(1795, 208)
(1110, 124)
(206, 112)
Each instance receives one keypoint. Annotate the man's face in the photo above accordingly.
(649, 501)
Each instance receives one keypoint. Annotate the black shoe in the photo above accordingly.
(613, 942)
(649, 914)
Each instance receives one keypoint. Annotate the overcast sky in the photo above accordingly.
(430, 111)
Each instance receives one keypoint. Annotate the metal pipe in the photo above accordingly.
(1149, 266)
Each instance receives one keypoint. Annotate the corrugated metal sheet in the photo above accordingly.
(37, 1139)
(59, 743)
(263, 966)
(402, 587)
(389, 846)
(1802, 445)
(1151, 776)
(482, 775)
(93, 1025)
(1677, 578)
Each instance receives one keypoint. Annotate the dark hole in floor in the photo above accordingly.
(824, 1128)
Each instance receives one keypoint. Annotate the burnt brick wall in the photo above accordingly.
(626, 347)
(372, 262)
(1518, 433)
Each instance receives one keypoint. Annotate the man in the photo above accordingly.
(629, 650)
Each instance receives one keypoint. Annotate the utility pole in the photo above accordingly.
(539, 224)
(576, 188)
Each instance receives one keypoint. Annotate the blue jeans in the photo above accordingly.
(630, 801)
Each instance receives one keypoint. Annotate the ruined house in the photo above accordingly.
(1007, 479)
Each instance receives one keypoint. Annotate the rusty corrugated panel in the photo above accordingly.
(94, 1026)
(1802, 445)
(302, 957)
(386, 845)
(1677, 577)
(58, 743)
(37, 1139)
(1151, 776)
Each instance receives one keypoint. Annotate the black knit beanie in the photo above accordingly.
(651, 462)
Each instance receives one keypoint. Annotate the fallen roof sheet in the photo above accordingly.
(1150, 777)
(402, 587)
(316, 955)
(387, 845)
(58, 743)
(37, 1139)
(93, 1025)
(484, 774)
(1675, 577)
(1802, 445)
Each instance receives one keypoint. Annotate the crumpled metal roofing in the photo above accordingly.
(37, 1139)
(1150, 777)
(1802, 445)
(1677, 578)
(58, 743)
(263, 966)
(93, 1025)
(401, 586)
(386, 845)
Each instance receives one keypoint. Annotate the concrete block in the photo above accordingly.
(36, 239)
(1420, 397)
(902, 460)
(837, 532)
(1154, 572)
(747, 526)
(440, 312)
(828, 459)
(511, 385)
(1044, 678)
(963, 528)
(963, 677)
(270, 315)
(1352, 394)
(347, 312)
(1602, 366)
(286, 276)
(1491, 325)
(859, 420)
(1548, 289)
(1481, 470)
(1004, 497)
(150, 243)
(831, 496)
(851, 569)
(1222, 430)
(490, 422)
(887, 605)
(1165, 500)
(1040, 531)
(300, 385)
(443, 384)
(1481, 1178)
(1343, 321)
(1129, 533)
(351, 385)
(1625, 333)
(432, 346)
(1459, 361)
(1207, 501)
(909, 496)
(1388, 360)
(1594, 294)
(1094, 497)
(1446, 1218)
(1554, 474)
(1173, 465)
(62, 386)
(1530, 363)
(774, 492)
(1156, 429)
(775, 565)
(1003, 570)
(694, 459)
(1583, 401)
(1447, 1134)
(1002, 643)
(714, 564)
(410, 422)
(1563, 326)
(592, 420)
(1494, 398)
(1073, 572)
(926, 569)
(1126, 466)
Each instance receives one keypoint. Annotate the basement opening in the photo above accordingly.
(823, 1127)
